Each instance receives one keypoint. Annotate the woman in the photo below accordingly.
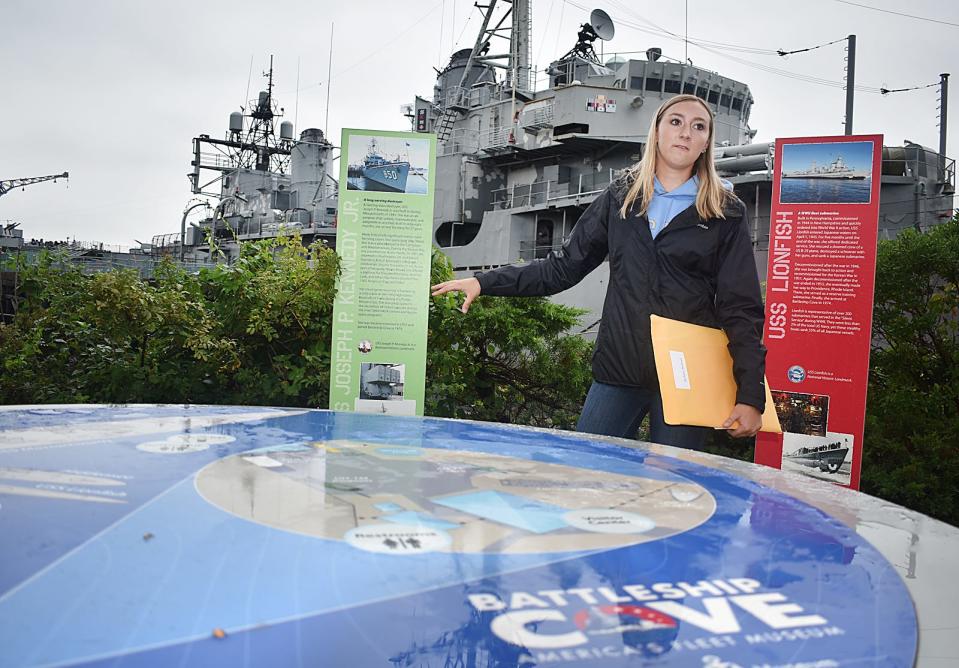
(678, 246)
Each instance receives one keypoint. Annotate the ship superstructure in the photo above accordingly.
(516, 166)
(381, 381)
(255, 183)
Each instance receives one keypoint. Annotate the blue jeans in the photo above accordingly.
(611, 410)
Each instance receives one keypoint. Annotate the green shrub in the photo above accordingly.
(507, 360)
(911, 444)
(258, 332)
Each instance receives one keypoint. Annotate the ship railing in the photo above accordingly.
(922, 164)
(461, 140)
(250, 229)
(166, 240)
(541, 193)
(216, 160)
(457, 97)
(530, 250)
(529, 80)
(144, 265)
(83, 246)
(949, 173)
(497, 138)
(75, 248)
(488, 91)
(538, 117)
(482, 94)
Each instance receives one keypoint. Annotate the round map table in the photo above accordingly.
(241, 536)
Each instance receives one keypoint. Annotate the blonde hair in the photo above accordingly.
(712, 196)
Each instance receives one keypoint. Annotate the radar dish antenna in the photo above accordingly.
(602, 25)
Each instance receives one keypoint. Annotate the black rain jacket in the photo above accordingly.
(698, 271)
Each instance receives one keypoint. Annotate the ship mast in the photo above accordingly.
(248, 145)
(516, 61)
(514, 27)
(261, 127)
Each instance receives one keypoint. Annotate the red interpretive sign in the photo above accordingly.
(819, 296)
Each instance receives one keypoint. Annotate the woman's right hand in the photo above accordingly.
(468, 286)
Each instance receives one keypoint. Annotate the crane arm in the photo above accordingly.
(7, 186)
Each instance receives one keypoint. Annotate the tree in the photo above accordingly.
(275, 304)
(508, 360)
(80, 338)
(911, 453)
(255, 332)
(258, 332)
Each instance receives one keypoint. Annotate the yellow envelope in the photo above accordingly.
(696, 375)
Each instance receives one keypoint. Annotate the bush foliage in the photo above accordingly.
(255, 332)
(911, 453)
(507, 360)
(258, 332)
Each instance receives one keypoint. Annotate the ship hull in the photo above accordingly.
(825, 176)
(390, 177)
(829, 461)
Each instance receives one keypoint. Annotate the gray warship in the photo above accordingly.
(517, 166)
(378, 173)
(263, 184)
(837, 169)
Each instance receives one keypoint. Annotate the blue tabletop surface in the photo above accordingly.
(243, 536)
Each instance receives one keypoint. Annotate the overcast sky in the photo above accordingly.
(113, 91)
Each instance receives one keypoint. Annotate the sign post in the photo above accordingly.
(819, 297)
(383, 238)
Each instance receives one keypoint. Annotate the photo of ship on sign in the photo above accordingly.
(382, 390)
(388, 164)
(826, 457)
(826, 173)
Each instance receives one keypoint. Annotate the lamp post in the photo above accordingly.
(850, 73)
(943, 118)
(850, 80)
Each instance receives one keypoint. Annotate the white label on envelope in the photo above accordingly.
(680, 373)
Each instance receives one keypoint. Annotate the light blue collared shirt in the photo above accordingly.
(664, 206)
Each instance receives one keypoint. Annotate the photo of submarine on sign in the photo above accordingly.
(826, 457)
(388, 164)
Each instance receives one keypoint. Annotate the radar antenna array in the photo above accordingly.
(600, 27)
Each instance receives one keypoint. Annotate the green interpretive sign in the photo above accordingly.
(384, 240)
